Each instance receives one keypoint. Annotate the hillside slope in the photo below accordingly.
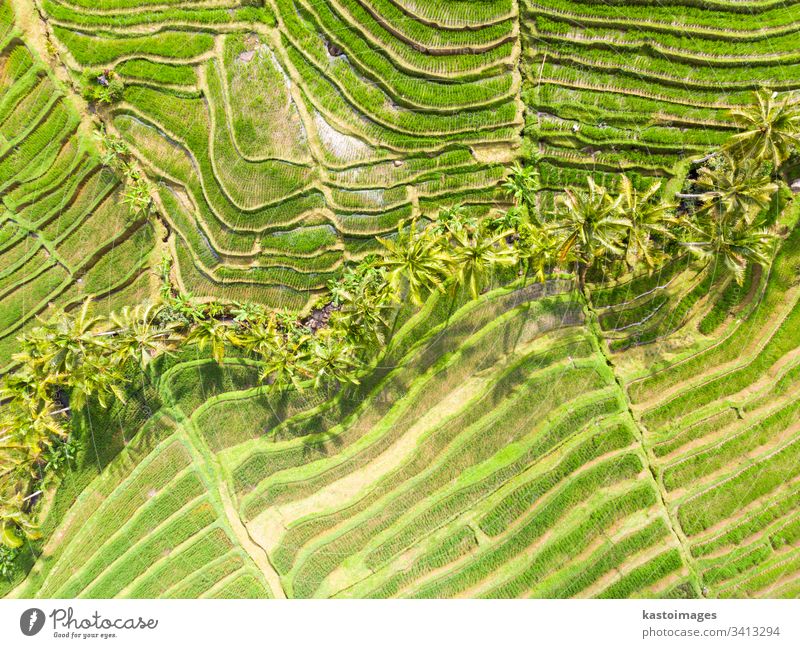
(286, 137)
(638, 439)
(525, 461)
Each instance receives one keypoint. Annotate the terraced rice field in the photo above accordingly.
(528, 443)
(63, 233)
(357, 494)
(497, 450)
(721, 421)
(374, 114)
(644, 86)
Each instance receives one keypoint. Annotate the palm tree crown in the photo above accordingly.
(214, 333)
(137, 337)
(477, 255)
(649, 219)
(590, 226)
(770, 129)
(522, 185)
(735, 244)
(538, 249)
(735, 189)
(416, 259)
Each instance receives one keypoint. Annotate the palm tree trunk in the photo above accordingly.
(393, 328)
(705, 158)
(583, 269)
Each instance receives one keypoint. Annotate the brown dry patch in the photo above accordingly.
(494, 153)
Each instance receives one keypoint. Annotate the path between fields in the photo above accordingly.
(593, 326)
(254, 550)
(257, 553)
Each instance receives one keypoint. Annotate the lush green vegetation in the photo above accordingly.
(399, 298)
(65, 235)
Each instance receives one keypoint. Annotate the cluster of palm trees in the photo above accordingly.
(75, 357)
(61, 365)
(723, 220)
(455, 249)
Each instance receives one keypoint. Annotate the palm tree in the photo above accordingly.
(476, 257)
(362, 297)
(333, 358)
(538, 250)
(770, 129)
(30, 380)
(261, 336)
(734, 243)
(213, 333)
(649, 219)
(15, 524)
(114, 148)
(414, 260)
(452, 220)
(522, 185)
(509, 220)
(137, 195)
(734, 189)
(14, 446)
(28, 427)
(136, 337)
(99, 376)
(589, 226)
(70, 352)
(34, 423)
(67, 339)
(288, 363)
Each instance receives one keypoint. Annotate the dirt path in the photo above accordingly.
(215, 471)
(254, 550)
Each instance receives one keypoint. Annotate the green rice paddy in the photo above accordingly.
(528, 443)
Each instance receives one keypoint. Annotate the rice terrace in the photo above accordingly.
(400, 298)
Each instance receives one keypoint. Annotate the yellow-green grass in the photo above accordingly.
(525, 444)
